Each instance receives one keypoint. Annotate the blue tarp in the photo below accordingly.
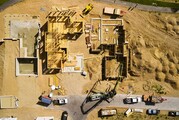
(46, 100)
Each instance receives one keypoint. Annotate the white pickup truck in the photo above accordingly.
(60, 101)
(132, 100)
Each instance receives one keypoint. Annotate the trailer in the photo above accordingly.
(107, 112)
(8, 102)
(113, 11)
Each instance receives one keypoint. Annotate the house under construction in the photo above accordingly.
(108, 36)
(62, 26)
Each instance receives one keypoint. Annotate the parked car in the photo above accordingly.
(64, 115)
(107, 112)
(153, 112)
(63, 101)
(60, 101)
(173, 113)
(132, 100)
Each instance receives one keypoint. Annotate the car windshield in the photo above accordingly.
(134, 100)
(154, 111)
(150, 111)
(177, 113)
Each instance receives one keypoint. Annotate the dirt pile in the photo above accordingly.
(172, 25)
(154, 40)
(93, 67)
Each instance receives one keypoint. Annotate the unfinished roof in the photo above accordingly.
(62, 26)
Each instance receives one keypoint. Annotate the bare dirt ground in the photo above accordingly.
(27, 89)
(152, 36)
(26, 113)
(120, 115)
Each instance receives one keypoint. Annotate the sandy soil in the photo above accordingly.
(26, 113)
(152, 36)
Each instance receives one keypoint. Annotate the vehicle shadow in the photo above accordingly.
(87, 105)
(42, 104)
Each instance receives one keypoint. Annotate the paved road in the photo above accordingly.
(141, 7)
(74, 109)
(9, 3)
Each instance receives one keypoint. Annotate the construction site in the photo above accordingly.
(55, 52)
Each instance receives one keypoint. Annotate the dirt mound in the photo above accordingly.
(171, 80)
(160, 76)
(172, 21)
(165, 69)
(172, 57)
(155, 44)
(177, 66)
(172, 25)
(93, 66)
(159, 68)
(176, 29)
(169, 27)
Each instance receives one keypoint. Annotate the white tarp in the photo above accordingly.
(45, 118)
(8, 118)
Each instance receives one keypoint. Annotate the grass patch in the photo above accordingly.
(3, 1)
(156, 3)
